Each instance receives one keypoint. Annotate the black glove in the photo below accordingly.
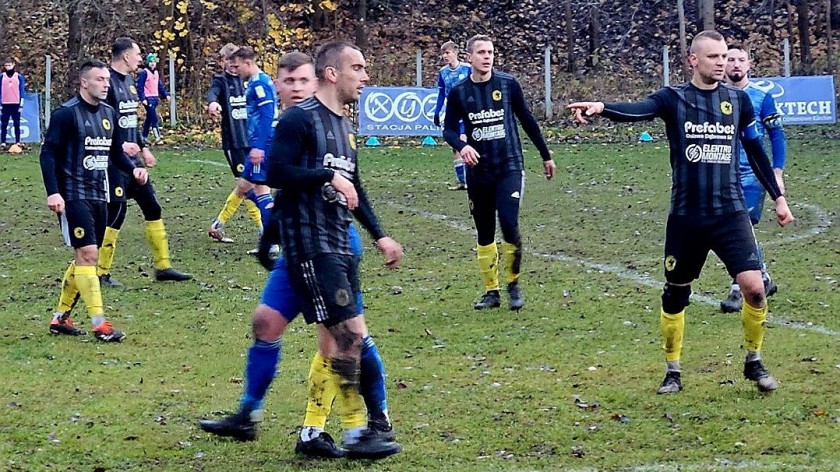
(270, 237)
(436, 119)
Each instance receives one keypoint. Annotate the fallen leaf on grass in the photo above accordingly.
(621, 418)
(577, 451)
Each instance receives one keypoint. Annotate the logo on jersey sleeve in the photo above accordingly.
(260, 91)
(726, 108)
(132, 89)
(106, 123)
(79, 232)
(772, 121)
(497, 95)
(352, 138)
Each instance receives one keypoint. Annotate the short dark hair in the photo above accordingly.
(245, 53)
(91, 64)
(448, 45)
(120, 46)
(479, 37)
(291, 61)
(329, 55)
(9, 59)
(708, 34)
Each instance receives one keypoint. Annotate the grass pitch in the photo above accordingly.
(567, 383)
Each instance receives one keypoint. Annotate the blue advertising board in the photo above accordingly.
(398, 111)
(409, 111)
(802, 100)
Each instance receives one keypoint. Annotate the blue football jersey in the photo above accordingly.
(449, 76)
(767, 119)
(261, 103)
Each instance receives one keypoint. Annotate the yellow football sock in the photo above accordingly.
(156, 237)
(88, 284)
(488, 264)
(350, 405)
(753, 320)
(513, 260)
(231, 205)
(254, 212)
(69, 291)
(107, 251)
(673, 327)
(322, 391)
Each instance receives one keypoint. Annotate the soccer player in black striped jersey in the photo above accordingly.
(74, 162)
(122, 96)
(313, 162)
(488, 103)
(704, 120)
(226, 100)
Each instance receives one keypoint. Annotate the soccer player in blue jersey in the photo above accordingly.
(261, 103)
(769, 123)
(704, 120)
(450, 74)
(280, 306)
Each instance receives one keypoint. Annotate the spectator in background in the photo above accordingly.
(151, 90)
(11, 97)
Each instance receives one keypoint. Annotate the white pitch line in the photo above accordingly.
(211, 163)
(823, 224)
(638, 277)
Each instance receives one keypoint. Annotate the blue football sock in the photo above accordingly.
(250, 195)
(265, 202)
(260, 369)
(373, 379)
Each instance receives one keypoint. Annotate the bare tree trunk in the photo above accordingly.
(683, 42)
(594, 35)
(4, 20)
(804, 38)
(828, 52)
(361, 26)
(790, 9)
(835, 14)
(818, 19)
(74, 46)
(706, 14)
(570, 37)
(319, 17)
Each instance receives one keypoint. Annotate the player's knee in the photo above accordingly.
(87, 255)
(752, 290)
(242, 187)
(675, 298)
(268, 324)
(348, 340)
